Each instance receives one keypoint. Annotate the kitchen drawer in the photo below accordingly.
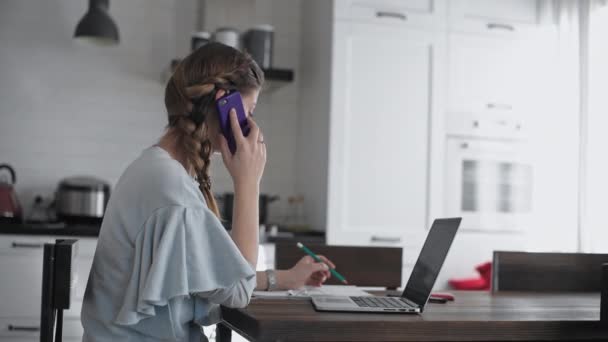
(30, 245)
(28, 328)
(21, 286)
(16, 328)
(429, 14)
(494, 84)
(408, 241)
(21, 267)
(495, 17)
(23, 244)
(411, 244)
(500, 124)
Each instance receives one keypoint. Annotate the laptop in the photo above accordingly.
(419, 286)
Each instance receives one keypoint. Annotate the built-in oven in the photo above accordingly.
(489, 183)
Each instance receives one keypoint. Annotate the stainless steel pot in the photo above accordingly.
(82, 198)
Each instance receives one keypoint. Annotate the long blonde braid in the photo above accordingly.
(210, 68)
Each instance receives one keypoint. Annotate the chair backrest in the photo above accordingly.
(361, 266)
(604, 296)
(57, 281)
(563, 272)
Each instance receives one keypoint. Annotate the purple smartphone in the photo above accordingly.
(224, 104)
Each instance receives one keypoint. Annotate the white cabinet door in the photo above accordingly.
(21, 269)
(494, 83)
(428, 14)
(382, 80)
(494, 16)
(21, 285)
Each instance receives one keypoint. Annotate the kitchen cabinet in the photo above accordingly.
(382, 84)
(496, 17)
(429, 14)
(374, 93)
(21, 286)
(386, 93)
(494, 83)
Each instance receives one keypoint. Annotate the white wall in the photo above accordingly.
(313, 129)
(68, 108)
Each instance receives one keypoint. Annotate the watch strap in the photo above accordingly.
(271, 277)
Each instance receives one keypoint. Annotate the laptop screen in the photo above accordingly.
(430, 260)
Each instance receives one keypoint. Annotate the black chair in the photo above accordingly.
(57, 280)
(557, 272)
(604, 296)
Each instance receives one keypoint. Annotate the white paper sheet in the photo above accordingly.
(308, 291)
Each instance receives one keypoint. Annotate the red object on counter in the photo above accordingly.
(443, 295)
(483, 282)
(10, 209)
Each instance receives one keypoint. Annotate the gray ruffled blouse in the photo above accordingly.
(164, 262)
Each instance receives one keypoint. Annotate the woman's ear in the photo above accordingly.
(219, 93)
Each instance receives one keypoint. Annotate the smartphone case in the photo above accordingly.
(224, 105)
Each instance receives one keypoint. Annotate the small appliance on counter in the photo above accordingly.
(82, 199)
(10, 208)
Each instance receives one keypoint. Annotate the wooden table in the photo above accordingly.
(474, 316)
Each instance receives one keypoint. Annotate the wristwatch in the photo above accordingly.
(271, 276)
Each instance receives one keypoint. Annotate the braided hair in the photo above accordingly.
(190, 101)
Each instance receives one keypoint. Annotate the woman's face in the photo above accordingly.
(250, 100)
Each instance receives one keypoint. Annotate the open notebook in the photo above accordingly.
(308, 291)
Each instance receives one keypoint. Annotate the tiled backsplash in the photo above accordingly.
(68, 108)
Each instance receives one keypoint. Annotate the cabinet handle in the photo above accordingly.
(395, 15)
(26, 245)
(497, 26)
(464, 145)
(385, 239)
(22, 328)
(500, 106)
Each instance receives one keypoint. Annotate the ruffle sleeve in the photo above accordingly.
(179, 252)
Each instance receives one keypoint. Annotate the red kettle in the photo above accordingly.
(10, 210)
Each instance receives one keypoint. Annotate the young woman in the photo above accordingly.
(164, 262)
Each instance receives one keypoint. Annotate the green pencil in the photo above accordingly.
(317, 259)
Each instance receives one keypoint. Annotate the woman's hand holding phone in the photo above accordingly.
(246, 165)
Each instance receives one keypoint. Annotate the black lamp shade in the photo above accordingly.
(97, 25)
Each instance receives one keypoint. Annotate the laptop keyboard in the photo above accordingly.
(381, 302)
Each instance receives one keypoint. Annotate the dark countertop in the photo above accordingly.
(84, 230)
(92, 230)
(316, 238)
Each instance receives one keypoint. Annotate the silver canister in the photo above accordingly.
(228, 36)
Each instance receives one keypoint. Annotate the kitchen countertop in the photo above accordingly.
(92, 230)
(85, 230)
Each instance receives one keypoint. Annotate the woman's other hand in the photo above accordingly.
(246, 165)
(308, 272)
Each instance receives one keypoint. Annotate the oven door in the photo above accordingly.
(489, 184)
